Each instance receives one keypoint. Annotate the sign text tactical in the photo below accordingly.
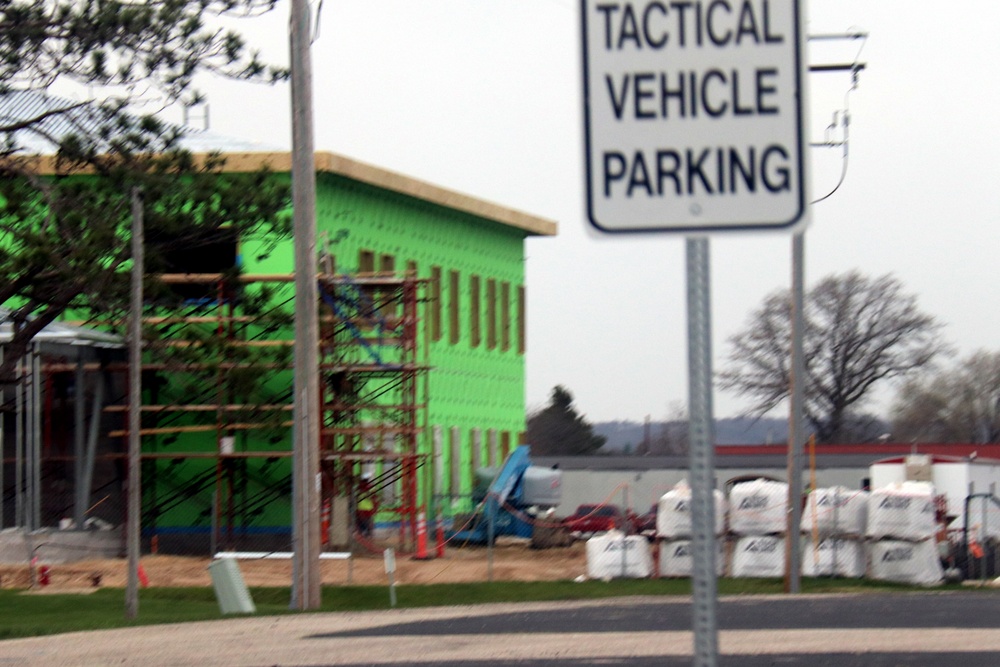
(694, 114)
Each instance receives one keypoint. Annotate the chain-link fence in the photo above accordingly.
(977, 552)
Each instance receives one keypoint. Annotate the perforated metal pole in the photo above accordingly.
(702, 463)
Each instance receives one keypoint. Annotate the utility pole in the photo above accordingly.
(306, 417)
(134, 502)
(793, 546)
(796, 417)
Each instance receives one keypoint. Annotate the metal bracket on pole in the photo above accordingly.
(702, 464)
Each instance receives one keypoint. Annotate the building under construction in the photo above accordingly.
(422, 307)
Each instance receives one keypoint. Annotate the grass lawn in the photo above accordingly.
(26, 614)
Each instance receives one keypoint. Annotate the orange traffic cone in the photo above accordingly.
(143, 579)
(421, 538)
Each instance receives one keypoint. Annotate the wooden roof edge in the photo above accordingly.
(333, 163)
(390, 180)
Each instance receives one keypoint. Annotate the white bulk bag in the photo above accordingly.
(834, 557)
(613, 554)
(673, 512)
(903, 511)
(759, 556)
(758, 507)
(836, 511)
(906, 562)
(675, 558)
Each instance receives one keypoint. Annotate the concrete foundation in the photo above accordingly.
(54, 546)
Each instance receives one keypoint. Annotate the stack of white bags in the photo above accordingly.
(902, 527)
(757, 514)
(836, 518)
(888, 534)
(614, 555)
(673, 524)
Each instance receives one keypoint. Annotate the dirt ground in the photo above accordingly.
(512, 561)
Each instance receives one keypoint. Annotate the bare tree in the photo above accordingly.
(960, 404)
(673, 435)
(859, 331)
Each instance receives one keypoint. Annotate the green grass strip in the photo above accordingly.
(26, 614)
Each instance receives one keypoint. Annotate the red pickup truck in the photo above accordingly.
(599, 518)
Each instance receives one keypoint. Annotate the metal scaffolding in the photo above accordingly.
(217, 404)
(371, 369)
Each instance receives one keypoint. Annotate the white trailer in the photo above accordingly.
(956, 478)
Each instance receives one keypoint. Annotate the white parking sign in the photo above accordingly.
(694, 114)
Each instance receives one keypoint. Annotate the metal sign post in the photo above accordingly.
(701, 453)
(694, 124)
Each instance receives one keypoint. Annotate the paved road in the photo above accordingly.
(915, 629)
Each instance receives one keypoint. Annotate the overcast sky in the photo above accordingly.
(484, 97)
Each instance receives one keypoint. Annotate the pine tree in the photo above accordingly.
(559, 429)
